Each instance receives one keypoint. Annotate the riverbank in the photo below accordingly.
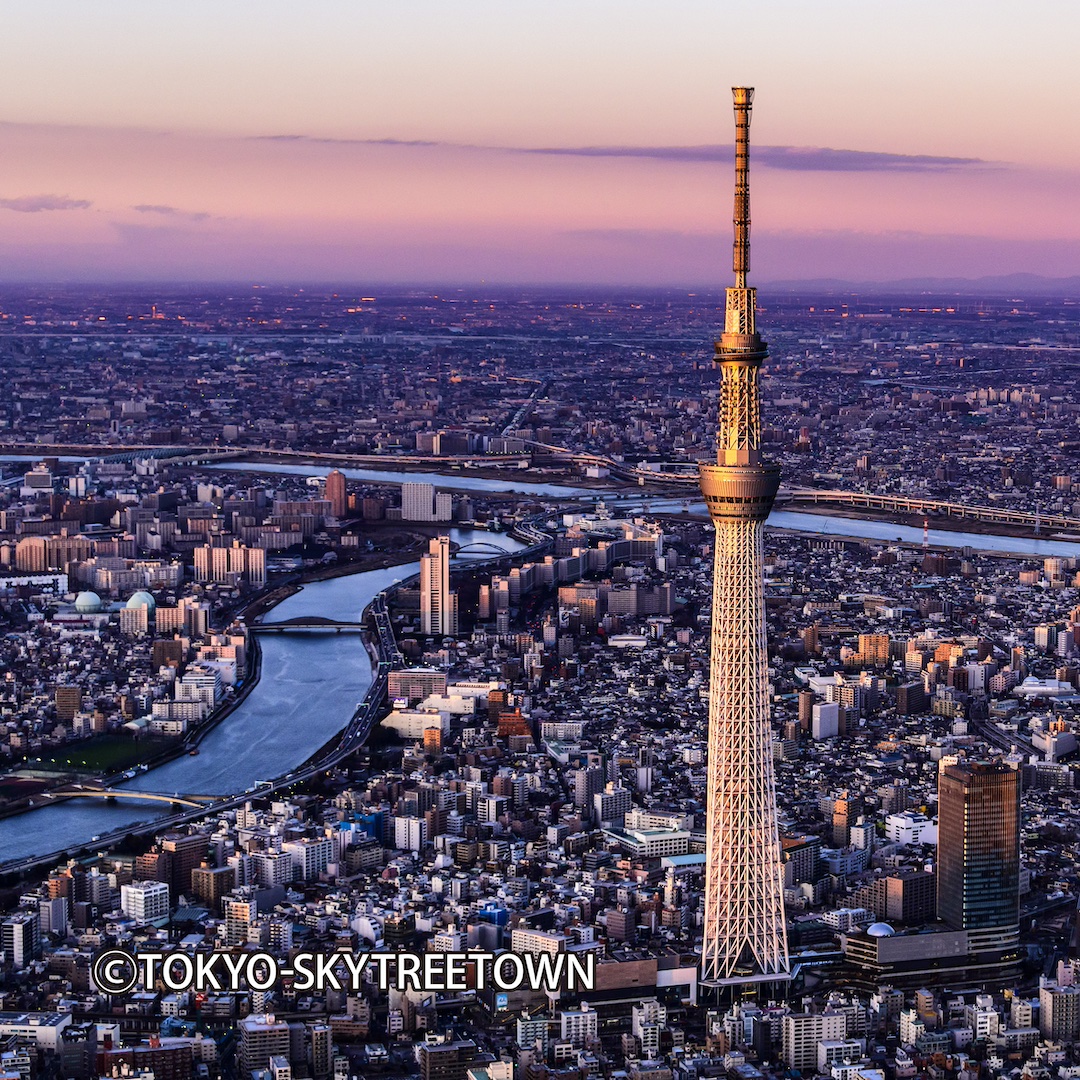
(911, 544)
(254, 608)
(504, 469)
(940, 522)
(188, 745)
(307, 694)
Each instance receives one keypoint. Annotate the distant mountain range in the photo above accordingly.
(999, 285)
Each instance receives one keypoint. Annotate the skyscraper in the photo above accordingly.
(978, 871)
(336, 494)
(745, 939)
(438, 605)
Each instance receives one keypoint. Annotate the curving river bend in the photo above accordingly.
(309, 688)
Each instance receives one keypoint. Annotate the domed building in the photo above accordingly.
(880, 929)
(142, 599)
(88, 603)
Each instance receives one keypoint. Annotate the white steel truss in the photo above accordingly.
(739, 427)
(745, 935)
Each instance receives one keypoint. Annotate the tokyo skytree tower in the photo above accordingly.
(745, 939)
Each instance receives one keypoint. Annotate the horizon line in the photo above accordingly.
(1010, 282)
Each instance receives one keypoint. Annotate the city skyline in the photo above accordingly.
(226, 705)
(532, 145)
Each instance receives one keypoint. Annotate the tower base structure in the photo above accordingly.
(758, 990)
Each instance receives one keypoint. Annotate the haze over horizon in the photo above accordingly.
(534, 143)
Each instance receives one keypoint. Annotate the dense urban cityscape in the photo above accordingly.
(462, 618)
(346, 622)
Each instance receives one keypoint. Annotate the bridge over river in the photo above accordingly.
(482, 547)
(308, 624)
(89, 791)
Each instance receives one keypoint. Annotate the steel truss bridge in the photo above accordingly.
(483, 547)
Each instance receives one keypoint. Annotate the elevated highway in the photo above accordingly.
(683, 474)
(903, 504)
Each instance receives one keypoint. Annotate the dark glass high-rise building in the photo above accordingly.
(978, 871)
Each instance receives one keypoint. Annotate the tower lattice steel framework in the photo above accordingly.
(745, 938)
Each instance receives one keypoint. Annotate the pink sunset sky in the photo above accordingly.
(513, 141)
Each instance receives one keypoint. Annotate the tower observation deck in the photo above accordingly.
(745, 938)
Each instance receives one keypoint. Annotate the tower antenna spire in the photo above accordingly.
(744, 102)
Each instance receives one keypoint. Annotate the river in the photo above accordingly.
(620, 500)
(309, 688)
(458, 481)
(628, 498)
(826, 525)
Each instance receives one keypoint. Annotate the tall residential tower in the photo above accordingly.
(745, 939)
(336, 493)
(438, 605)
